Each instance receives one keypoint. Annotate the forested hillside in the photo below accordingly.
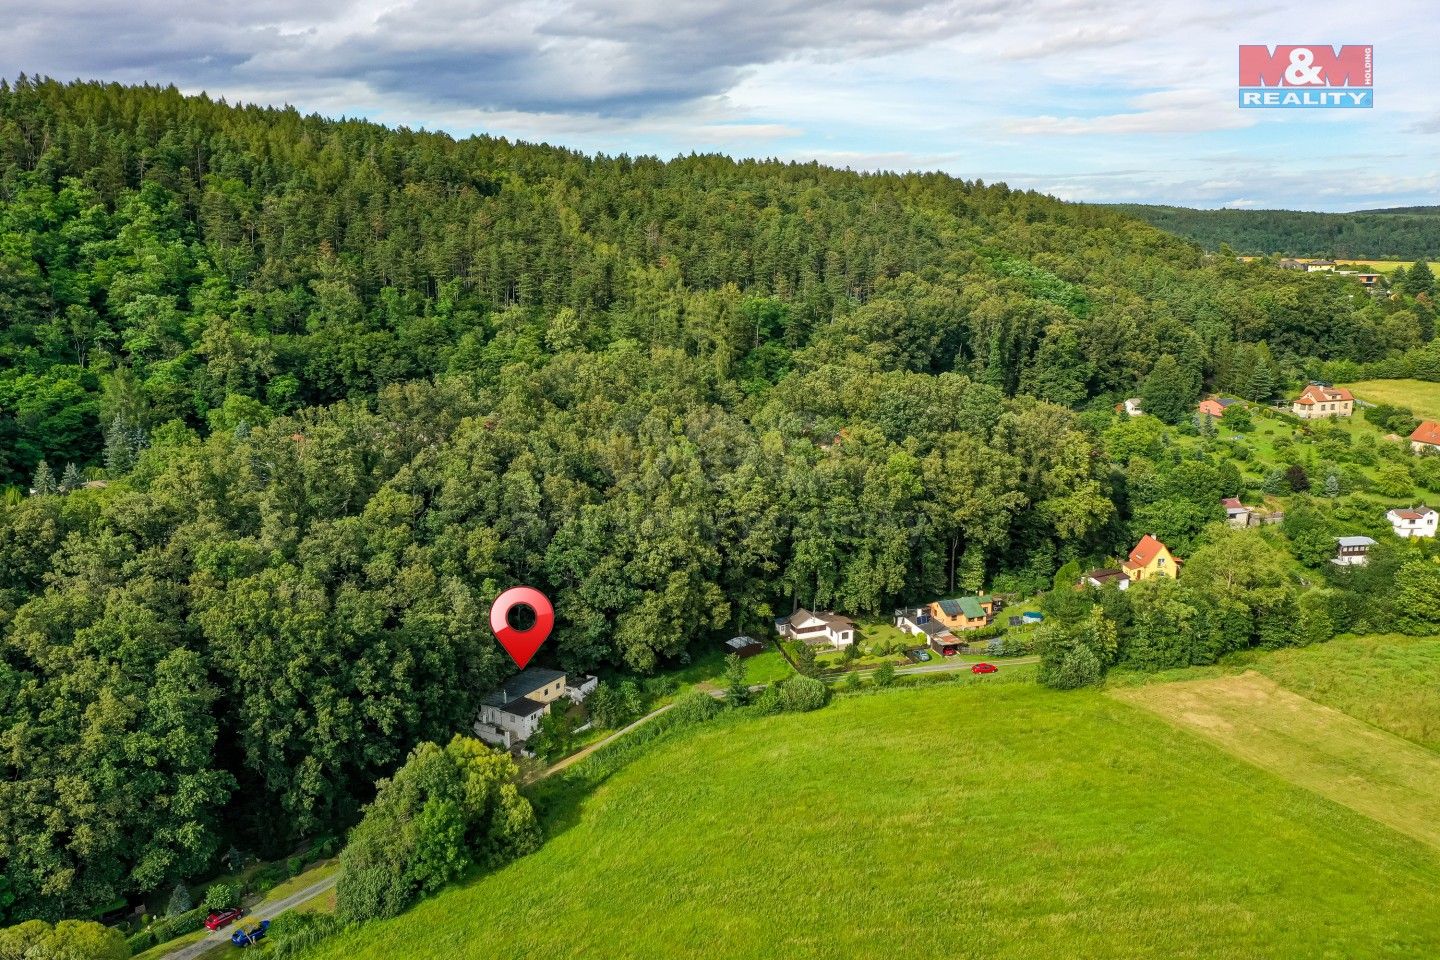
(284, 401)
(1402, 233)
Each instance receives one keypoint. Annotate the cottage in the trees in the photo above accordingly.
(1150, 559)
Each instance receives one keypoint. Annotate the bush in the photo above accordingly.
(802, 694)
(140, 942)
(66, 940)
(295, 866)
(261, 881)
(220, 896)
(1078, 667)
(767, 700)
(695, 707)
(172, 927)
(445, 809)
(885, 675)
(292, 934)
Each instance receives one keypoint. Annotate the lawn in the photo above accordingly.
(1391, 682)
(892, 825)
(1421, 396)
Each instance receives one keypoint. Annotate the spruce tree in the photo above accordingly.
(44, 482)
(119, 454)
(71, 479)
(180, 901)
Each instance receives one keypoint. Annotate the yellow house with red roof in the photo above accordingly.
(1150, 559)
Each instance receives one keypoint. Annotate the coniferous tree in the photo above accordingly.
(44, 482)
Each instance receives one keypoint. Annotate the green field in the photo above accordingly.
(1385, 266)
(1421, 396)
(1369, 770)
(1391, 682)
(998, 821)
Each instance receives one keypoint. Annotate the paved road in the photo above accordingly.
(949, 665)
(264, 910)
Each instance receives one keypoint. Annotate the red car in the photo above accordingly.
(984, 668)
(217, 920)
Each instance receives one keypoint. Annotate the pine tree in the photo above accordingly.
(44, 482)
(180, 901)
(119, 453)
(71, 479)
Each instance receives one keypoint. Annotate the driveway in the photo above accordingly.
(264, 910)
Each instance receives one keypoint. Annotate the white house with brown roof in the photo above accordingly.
(825, 627)
(1426, 437)
(1413, 522)
(1318, 401)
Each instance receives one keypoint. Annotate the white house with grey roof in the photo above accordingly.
(817, 629)
(512, 713)
(1352, 551)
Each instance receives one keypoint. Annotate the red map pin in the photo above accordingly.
(521, 644)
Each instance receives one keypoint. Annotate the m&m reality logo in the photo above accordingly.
(1308, 75)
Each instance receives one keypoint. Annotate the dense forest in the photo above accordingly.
(1401, 233)
(285, 400)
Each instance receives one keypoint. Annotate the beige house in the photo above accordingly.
(1318, 401)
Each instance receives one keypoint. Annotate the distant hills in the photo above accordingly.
(1397, 233)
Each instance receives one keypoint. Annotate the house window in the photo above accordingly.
(1160, 562)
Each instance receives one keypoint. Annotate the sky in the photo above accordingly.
(1086, 100)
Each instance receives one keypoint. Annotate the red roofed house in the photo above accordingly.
(1426, 437)
(1417, 522)
(1317, 401)
(1150, 559)
(1214, 407)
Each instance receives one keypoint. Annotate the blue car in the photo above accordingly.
(243, 937)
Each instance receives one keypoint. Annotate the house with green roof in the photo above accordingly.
(965, 613)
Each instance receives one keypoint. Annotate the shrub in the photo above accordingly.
(266, 879)
(802, 694)
(172, 927)
(885, 675)
(66, 940)
(220, 896)
(1078, 667)
(767, 700)
(695, 707)
(292, 934)
(140, 942)
(295, 866)
(445, 808)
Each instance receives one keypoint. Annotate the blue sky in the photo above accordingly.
(1086, 100)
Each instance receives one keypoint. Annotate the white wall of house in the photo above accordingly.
(520, 728)
(1422, 527)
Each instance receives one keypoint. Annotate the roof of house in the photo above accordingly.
(1146, 550)
(1427, 432)
(1233, 503)
(523, 707)
(1418, 513)
(1105, 574)
(1355, 541)
(739, 643)
(1316, 393)
(522, 685)
(968, 605)
(832, 620)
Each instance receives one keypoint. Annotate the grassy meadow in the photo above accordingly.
(1385, 266)
(950, 820)
(1389, 681)
(1371, 771)
(1421, 396)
